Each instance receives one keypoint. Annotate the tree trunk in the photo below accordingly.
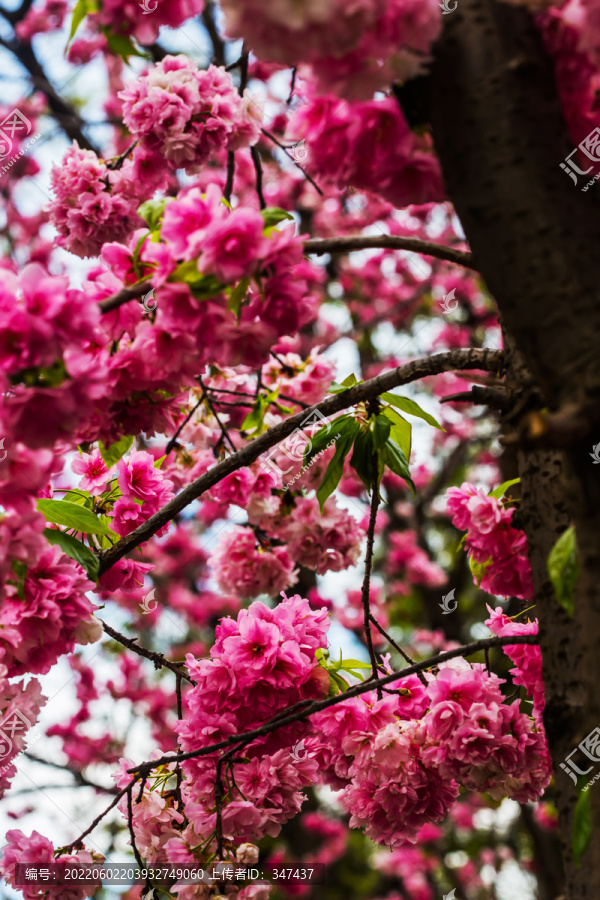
(500, 135)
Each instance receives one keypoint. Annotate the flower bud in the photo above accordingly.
(247, 853)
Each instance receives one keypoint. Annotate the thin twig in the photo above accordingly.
(366, 585)
(116, 164)
(136, 852)
(99, 817)
(219, 793)
(248, 394)
(208, 18)
(157, 658)
(178, 772)
(292, 85)
(397, 647)
(230, 173)
(224, 431)
(259, 177)
(173, 440)
(289, 155)
(288, 370)
(243, 71)
(80, 779)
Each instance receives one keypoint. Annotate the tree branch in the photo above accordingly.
(319, 246)
(124, 296)
(396, 646)
(366, 585)
(80, 779)
(208, 18)
(157, 658)
(388, 242)
(490, 360)
(319, 705)
(69, 847)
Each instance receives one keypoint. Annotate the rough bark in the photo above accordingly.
(500, 135)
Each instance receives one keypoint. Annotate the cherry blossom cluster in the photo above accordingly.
(205, 248)
(260, 664)
(188, 114)
(400, 760)
(141, 490)
(94, 204)
(499, 549)
(46, 614)
(144, 491)
(476, 738)
(368, 145)
(155, 816)
(46, 328)
(527, 658)
(25, 702)
(39, 851)
(350, 51)
(242, 566)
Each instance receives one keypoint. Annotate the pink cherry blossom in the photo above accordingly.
(188, 114)
(94, 470)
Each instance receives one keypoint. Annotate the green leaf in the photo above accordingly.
(70, 515)
(564, 569)
(478, 570)
(111, 455)
(152, 212)
(82, 498)
(121, 45)
(20, 570)
(82, 7)
(238, 294)
(381, 428)
(350, 665)
(202, 286)
(187, 272)
(502, 488)
(254, 421)
(355, 664)
(346, 424)
(347, 383)
(395, 459)
(339, 684)
(273, 215)
(137, 267)
(158, 462)
(401, 430)
(581, 834)
(41, 376)
(410, 408)
(335, 469)
(75, 549)
(362, 457)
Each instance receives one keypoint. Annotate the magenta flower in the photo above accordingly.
(137, 477)
(94, 472)
(232, 250)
